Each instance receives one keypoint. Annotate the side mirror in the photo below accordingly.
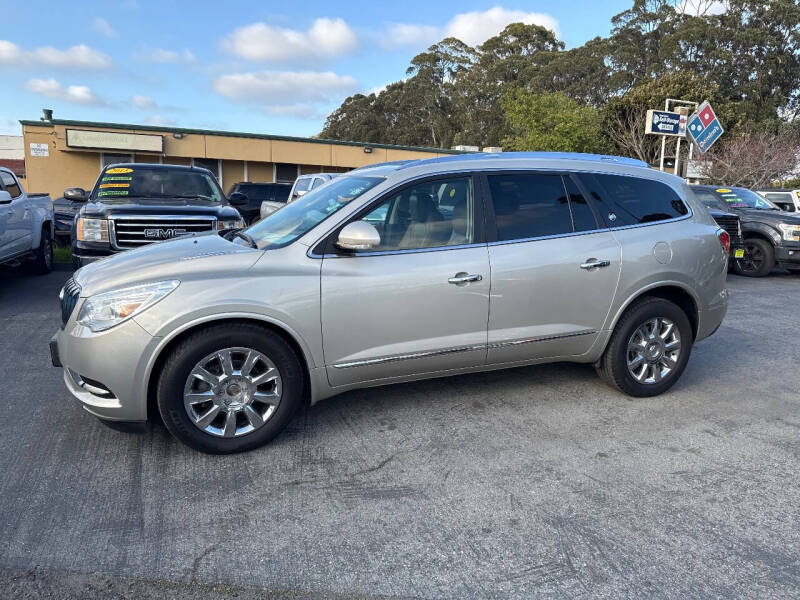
(358, 235)
(5, 197)
(238, 199)
(76, 194)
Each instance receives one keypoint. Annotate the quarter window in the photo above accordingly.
(10, 184)
(532, 205)
(426, 215)
(634, 200)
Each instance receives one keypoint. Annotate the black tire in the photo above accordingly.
(613, 366)
(189, 352)
(42, 262)
(759, 258)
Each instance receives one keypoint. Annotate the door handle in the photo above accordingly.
(593, 263)
(464, 278)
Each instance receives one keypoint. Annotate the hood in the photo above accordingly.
(179, 206)
(772, 217)
(195, 257)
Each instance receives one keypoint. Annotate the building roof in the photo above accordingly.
(262, 136)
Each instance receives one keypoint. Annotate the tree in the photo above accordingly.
(752, 159)
(551, 121)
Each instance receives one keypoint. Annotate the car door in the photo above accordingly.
(554, 269)
(418, 302)
(17, 236)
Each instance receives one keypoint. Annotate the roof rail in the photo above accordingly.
(605, 158)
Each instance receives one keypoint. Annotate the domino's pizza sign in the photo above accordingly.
(704, 127)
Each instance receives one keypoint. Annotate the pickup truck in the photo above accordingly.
(139, 203)
(26, 226)
(771, 236)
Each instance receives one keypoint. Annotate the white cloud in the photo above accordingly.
(50, 88)
(159, 121)
(472, 28)
(283, 92)
(76, 57)
(297, 111)
(703, 7)
(160, 55)
(326, 39)
(103, 27)
(144, 102)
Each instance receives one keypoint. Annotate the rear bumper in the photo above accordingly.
(711, 318)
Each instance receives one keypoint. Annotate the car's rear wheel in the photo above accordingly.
(649, 348)
(42, 262)
(230, 388)
(759, 258)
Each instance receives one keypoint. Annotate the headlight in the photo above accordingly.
(92, 230)
(104, 311)
(230, 224)
(791, 233)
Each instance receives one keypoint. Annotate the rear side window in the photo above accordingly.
(10, 184)
(302, 184)
(632, 200)
(318, 181)
(536, 205)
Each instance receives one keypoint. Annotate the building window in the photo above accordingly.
(285, 172)
(212, 164)
(111, 159)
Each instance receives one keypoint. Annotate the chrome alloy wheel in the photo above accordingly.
(653, 350)
(232, 392)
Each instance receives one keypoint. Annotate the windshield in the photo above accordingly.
(283, 227)
(149, 182)
(744, 198)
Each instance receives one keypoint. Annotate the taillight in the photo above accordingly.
(725, 240)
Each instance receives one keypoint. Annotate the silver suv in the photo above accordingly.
(393, 273)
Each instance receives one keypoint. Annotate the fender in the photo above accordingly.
(221, 316)
(651, 286)
(762, 228)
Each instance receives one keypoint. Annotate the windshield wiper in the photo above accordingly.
(246, 237)
(200, 196)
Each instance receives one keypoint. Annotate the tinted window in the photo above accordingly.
(633, 200)
(426, 215)
(254, 192)
(285, 172)
(212, 164)
(10, 184)
(707, 198)
(527, 206)
(582, 216)
(136, 181)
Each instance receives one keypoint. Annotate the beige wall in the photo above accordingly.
(71, 167)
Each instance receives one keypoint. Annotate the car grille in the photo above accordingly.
(730, 223)
(132, 232)
(69, 298)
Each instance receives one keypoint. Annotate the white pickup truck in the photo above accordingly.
(26, 226)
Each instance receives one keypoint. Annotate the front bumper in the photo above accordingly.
(107, 371)
(788, 254)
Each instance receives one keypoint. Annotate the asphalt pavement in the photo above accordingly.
(534, 482)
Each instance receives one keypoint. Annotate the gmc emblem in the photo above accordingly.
(162, 234)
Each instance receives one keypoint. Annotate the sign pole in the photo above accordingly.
(677, 156)
(663, 145)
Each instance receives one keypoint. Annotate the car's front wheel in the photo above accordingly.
(759, 258)
(229, 388)
(649, 348)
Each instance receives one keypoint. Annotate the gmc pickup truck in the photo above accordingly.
(26, 226)
(139, 203)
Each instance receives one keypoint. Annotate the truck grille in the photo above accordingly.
(132, 232)
(730, 223)
(69, 298)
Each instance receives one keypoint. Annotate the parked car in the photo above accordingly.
(65, 211)
(786, 200)
(365, 281)
(730, 222)
(259, 194)
(771, 236)
(305, 183)
(26, 226)
(136, 204)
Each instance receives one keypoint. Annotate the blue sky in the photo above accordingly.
(240, 65)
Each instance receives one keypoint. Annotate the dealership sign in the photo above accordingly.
(107, 140)
(704, 127)
(662, 122)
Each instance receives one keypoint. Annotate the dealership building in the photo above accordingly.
(62, 153)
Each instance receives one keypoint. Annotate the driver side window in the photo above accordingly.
(426, 215)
